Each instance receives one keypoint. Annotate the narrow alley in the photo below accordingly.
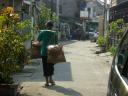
(84, 74)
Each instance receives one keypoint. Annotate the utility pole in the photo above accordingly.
(105, 18)
(32, 19)
(58, 17)
(57, 12)
(13, 4)
(51, 9)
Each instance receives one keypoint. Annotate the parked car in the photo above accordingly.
(90, 34)
(118, 78)
(93, 36)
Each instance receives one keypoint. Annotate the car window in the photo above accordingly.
(122, 55)
(125, 69)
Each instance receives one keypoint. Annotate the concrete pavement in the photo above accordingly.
(84, 74)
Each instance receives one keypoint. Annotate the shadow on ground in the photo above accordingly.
(34, 72)
(24, 95)
(63, 72)
(65, 91)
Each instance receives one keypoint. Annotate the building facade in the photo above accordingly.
(93, 9)
(119, 11)
(68, 9)
(113, 3)
(116, 2)
(69, 14)
(99, 8)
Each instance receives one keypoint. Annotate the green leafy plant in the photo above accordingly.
(45, 15)
(10, 51)
(12, 48)
(101, 41)
(115, 33)
(116, 30)
(113, 50)
(21, 28)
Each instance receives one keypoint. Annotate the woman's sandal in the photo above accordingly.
(52, 83)
(46, 85)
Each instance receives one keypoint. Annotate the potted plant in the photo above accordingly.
(102, 43)
(11, 46)
(11, 50)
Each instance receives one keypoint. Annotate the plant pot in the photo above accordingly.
(103, 48)
(9, 89)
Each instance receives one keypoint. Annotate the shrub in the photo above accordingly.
(12, 46)
(101, 41)
(113, 50)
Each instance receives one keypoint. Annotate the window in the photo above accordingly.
(122, 56)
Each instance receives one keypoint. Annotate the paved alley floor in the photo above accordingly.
(84, 74)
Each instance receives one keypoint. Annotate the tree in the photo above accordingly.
(45, 15)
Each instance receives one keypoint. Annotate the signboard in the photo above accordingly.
(84, 14)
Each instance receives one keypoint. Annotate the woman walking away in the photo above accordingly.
(47, 37)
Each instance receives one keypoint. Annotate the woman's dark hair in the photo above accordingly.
(49, 24)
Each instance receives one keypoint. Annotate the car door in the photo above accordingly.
(119, 72)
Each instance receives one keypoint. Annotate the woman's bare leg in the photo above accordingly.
(51, 80)
(47, 81)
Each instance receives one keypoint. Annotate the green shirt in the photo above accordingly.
(47, 37)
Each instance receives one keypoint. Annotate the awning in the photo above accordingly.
(79, 24)
(28, 1)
